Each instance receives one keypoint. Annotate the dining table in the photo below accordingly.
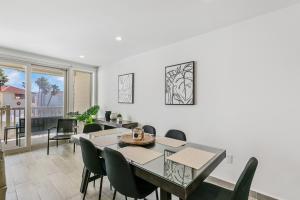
(173, 178)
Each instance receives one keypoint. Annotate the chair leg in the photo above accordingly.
(156, 193)
(125, 197)
(84, 178)
(110, 186)
(86, 184)
(114, 197)
(100, 190)
(48, 142)
(82, 172)
(48, 147)
(17, 138)
(19, 141)
(94, 182)
(56, 143)
(74, 148)
(5, 136)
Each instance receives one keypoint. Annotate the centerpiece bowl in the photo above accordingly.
(146, 140)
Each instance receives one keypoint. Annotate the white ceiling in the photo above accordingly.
(69, 28)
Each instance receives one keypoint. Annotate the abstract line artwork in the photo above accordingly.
(125, 88)
(179, 84)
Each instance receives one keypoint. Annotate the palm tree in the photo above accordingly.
(44, 88)
(3, 79)
(54, 91)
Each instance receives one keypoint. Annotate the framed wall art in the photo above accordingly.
(179, 84)
(126, 88)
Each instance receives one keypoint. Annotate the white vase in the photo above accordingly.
(113, 116)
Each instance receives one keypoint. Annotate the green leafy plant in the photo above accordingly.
(88, 116)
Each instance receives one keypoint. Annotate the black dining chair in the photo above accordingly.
(149, 129)
(208, 191)
(89, 128)
(93, 163)
(176, 134)
(120, 175)
(64, 130)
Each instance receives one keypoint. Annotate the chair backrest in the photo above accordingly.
(149, 129)
(119, 173)
(176, 134)
(242, 187)
(66, 125)
(21, 125)
(88, 128)
(90, 156)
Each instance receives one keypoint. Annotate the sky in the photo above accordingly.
(16, 77)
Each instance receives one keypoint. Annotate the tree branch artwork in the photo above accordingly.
(179, 84)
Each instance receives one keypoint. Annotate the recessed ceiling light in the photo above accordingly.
(118, 38)
(82, 56)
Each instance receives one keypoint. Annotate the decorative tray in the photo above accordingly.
(127, 139)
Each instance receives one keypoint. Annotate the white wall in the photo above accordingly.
(248, 101)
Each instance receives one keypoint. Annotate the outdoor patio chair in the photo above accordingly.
(64, 130)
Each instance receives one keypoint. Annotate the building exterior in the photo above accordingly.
(15, 98)
(12, 96)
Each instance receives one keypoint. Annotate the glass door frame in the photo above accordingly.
(68, 93)
(27, 114)
(28, 99)
(33, 69)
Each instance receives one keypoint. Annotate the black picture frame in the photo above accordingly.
(130, 97)
(172, 76)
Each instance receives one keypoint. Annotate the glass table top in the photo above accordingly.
(173, 172)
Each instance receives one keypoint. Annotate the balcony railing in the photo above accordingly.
(10, 116)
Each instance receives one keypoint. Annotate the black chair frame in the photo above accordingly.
(122, 178)
(93, 163)
(149, 129)
(176, 134)
(71, 129)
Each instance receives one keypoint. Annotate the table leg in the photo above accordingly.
(83, 181)
(164, 195)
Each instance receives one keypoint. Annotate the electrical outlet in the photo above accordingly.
(229, 159)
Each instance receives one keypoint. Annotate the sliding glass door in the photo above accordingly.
(33, 97)
(48, 101)
(12, 106)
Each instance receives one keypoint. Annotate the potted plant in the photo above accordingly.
(88, 117)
